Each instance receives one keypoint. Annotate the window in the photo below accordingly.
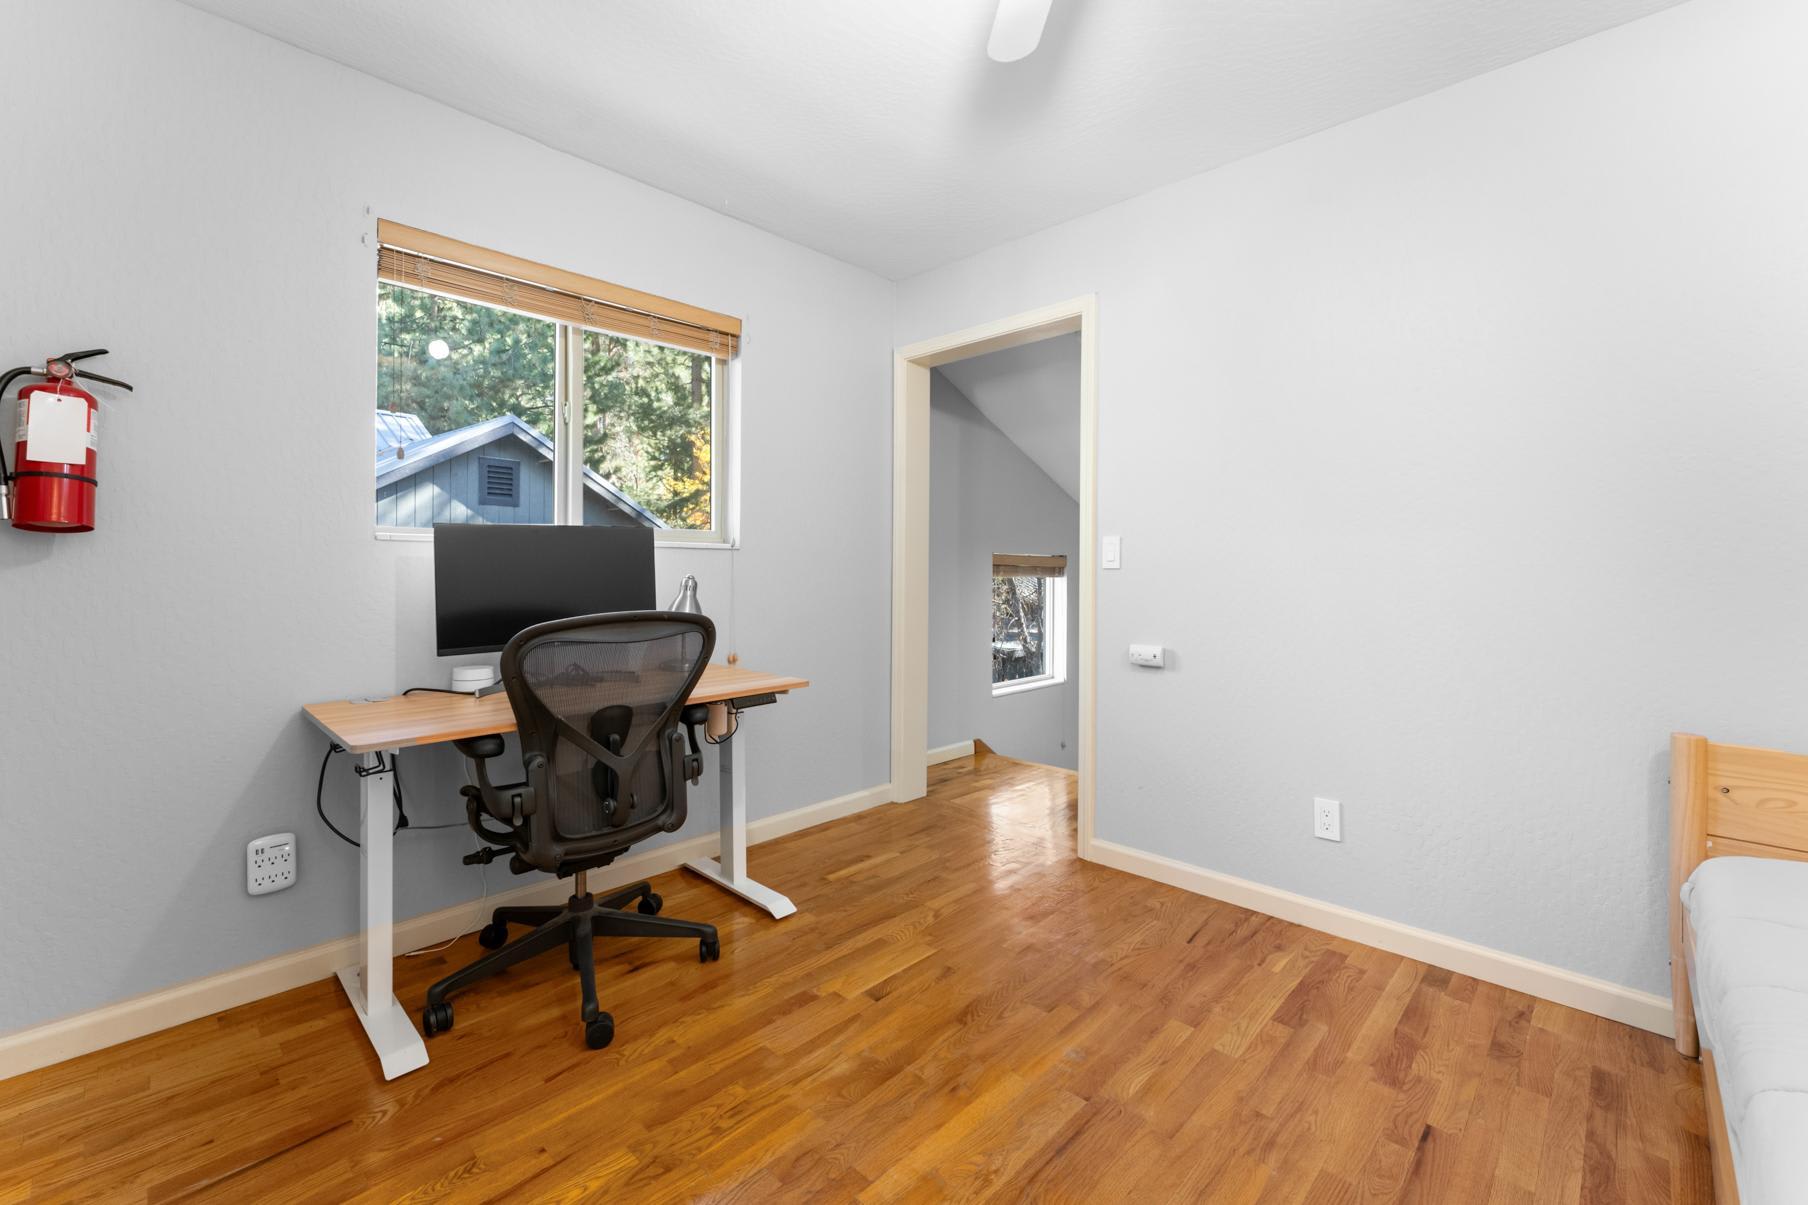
(649, 426)
(509, 392)
(461, 387)
(1029, 622)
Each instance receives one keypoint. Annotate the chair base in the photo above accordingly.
(574, 926)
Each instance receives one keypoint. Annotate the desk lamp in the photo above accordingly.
(686, 601)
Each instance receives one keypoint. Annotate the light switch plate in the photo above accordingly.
(1111, 552)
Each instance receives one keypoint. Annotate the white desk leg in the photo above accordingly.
(371, 986)
(730, 871)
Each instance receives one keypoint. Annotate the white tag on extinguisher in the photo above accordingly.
(56, 429)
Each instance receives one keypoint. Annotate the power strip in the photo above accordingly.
(270, 863)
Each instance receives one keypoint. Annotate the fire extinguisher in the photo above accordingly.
(55, 495)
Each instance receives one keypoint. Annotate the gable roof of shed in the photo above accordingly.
(401, 461)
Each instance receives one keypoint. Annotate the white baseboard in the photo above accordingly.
(952, 752)
(55, 1041)
(809, 816)
(1640, 1009)
(41, 1045)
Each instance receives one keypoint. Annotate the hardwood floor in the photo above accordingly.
(960, 1010)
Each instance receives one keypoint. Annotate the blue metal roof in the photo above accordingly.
(403, 460)
(394, 427)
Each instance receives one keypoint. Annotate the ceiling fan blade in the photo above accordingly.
(1016, 29)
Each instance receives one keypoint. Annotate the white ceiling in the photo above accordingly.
(1032, 394)
(880, 133)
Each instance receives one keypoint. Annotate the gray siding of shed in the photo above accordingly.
(448, 491)
(599, 512)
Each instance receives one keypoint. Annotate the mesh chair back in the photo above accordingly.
(599, 697)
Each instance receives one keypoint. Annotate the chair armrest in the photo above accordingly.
(694, 715)
(509, 802)
(480, 748)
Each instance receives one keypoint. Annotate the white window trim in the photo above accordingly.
(724, 494)
(1023, 686)
(1054, 620)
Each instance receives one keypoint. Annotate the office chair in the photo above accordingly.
(598, 700)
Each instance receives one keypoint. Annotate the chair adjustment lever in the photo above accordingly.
(482, 857)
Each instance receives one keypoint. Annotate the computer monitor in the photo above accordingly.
(492, 580)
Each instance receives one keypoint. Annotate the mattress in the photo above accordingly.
(1750, 985)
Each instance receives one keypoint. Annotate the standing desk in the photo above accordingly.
(369, 728)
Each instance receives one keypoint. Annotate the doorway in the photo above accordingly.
(911, 387)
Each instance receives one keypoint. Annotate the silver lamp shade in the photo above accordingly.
(686, 601)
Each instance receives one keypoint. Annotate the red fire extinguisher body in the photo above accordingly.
(48, 495)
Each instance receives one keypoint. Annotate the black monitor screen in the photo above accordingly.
(492, 580)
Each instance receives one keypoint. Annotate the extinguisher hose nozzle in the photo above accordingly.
(6, 477)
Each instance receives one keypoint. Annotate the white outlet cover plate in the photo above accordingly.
(1327, 819)
(270, 863)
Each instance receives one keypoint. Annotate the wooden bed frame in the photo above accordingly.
(1724, 800)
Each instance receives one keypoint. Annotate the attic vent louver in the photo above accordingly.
(499, 481)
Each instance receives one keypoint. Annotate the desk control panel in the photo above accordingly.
(745, 701)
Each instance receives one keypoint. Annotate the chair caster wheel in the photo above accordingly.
(651, 903)
(436, 1018)
(709, 949)
(600, 1032)
(493, 936)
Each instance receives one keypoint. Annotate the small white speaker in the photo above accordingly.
(472, 678)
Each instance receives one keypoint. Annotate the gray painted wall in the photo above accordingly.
(208, 225)
(1461, 452)
(1015, 386)
(987, 496)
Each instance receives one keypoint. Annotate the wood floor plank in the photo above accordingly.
(961, 1010)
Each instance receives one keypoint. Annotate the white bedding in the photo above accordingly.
(1750, 984)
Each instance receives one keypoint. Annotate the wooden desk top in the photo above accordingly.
(429, 719)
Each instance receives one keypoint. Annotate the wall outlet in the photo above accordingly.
(270, 863)
(1327, 819)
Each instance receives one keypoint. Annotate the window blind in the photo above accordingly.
(420, 260)
(1025, 564)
